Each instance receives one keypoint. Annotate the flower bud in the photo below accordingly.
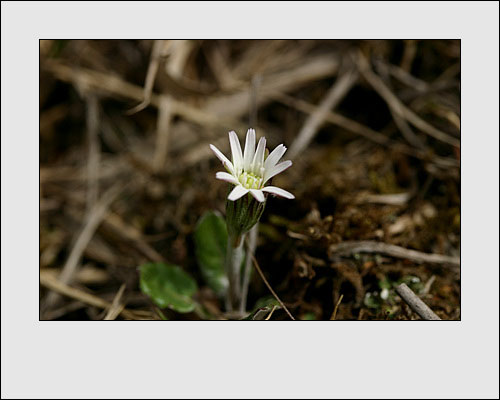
(241, 216)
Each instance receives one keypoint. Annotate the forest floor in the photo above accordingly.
(372, 127)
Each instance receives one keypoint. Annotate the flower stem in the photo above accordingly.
(251, 244)
(234, 257)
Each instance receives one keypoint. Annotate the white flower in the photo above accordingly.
(249, 171)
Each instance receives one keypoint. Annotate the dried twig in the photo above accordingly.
(409, 54)
(217, 59)
(252, 115)
(395, 199)
(51, 282)
(400, 122)
(352, 247)
(175, 65)
(405, 77)
(116, 305)
(364, 131)
(93, 152)
(112, 85)
(271, 313)
(398, 107)
(428, 285)
(96, 216)
(334, 314)
(129, 232)
(236, 105)
(165, 109)
(154, 63)
(269, 287)
(416, 304)
(333, 97)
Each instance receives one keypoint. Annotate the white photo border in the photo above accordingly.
(208, 359)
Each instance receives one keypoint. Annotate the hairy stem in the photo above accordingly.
(234, 257)
(251, 244)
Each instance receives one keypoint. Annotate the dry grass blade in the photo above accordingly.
(112, 85)
(400, 122)
(334, 314)
(236, 105)
(395, 199)
(364, 131)
(51, 282)
(269, 287)
(116, 306)
(154, 64)
(271, 313)
(409, 54)
(428, 285)
(96, 216)
(162, 132)
(398, 107)
(129, 232)
(94, 151)
(216, 58)
(406, 78)
(175, 65)
(346, 248)
(313, 123)
(335, 119)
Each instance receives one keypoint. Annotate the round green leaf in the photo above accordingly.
(168, 286)
(210, 239)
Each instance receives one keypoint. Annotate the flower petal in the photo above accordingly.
(249, 149)
(276, 170)
(278, 191)
(258, 158)
(259, 196)
(224, 176)
(274, 157)
(236, 150)
(237, 192)
(225, 161)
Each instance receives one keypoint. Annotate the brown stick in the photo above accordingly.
(334, 314)
(334, 96)
(86, 233)
(154, 63)
(400, 122)
(51, 282)
(362, 130)
(398, 107)
(116, 305)
(112, 85)
(269, 287)
(163, 129)
(367, 246)
(416, 304)
(94, 151)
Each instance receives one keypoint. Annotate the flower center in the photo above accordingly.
(249, 180)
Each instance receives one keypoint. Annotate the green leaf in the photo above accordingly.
(210, 239)
(262, 308)
(168, 286)
(258, 315)
(266, 301)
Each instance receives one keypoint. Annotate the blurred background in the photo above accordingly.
(373, 129)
